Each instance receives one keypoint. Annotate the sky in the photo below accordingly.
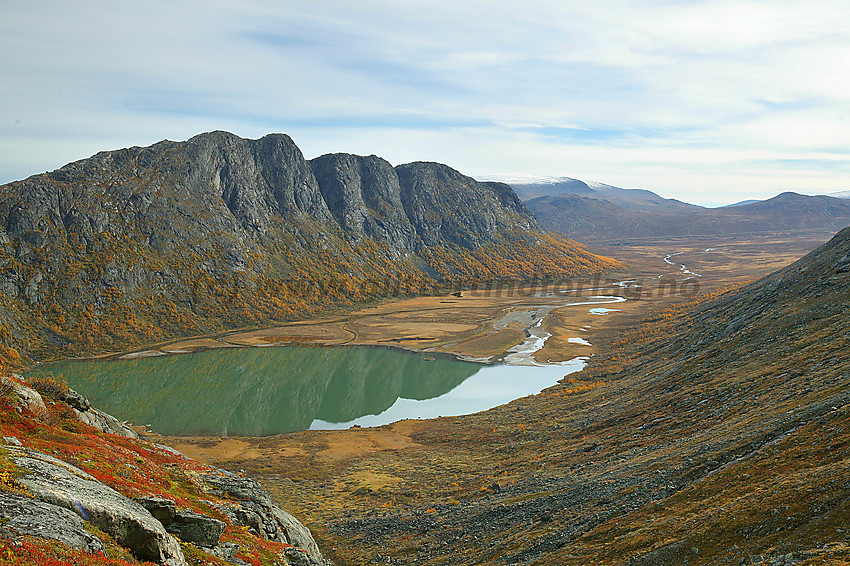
(710, 102)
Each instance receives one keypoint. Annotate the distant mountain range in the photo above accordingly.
(597, 212)
(143, 244)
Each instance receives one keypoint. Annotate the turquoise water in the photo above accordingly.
(263, 391)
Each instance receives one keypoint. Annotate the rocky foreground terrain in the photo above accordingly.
(185, 238)
(713, 432)
(79, 487)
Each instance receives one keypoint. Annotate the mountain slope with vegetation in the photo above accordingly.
(602, 213)
(143, 244)
(712, 432)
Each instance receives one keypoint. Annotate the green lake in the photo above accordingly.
(263, 391)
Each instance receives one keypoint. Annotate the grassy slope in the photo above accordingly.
(102, 319)
(710, 433)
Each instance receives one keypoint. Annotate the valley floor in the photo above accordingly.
(463, 324)
(675, 446)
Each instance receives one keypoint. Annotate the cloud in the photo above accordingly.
(691, 99)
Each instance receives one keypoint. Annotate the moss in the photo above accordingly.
(9, 474)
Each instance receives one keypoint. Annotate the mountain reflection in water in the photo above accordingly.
(259, 391)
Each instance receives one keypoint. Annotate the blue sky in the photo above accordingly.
(707, 101)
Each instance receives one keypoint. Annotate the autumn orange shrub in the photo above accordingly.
(49, 385)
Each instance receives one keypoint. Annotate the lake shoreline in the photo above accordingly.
(396, 326)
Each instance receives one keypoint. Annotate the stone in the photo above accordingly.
(30, 399)
(105, 422)
(29, 517)
(163, 510)
(297, 557)
(225, 550)
(58, 483)
(196, 528)
(75, 400)
(298, 535)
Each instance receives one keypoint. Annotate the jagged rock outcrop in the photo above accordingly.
(364, 197)
(254, 509)
(187, 525)
(445, 206)
(31, 400)
(26, 397)
(105, 422)
(54, 499)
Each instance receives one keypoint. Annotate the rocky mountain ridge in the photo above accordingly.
(142, 244)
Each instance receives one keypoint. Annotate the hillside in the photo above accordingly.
(79, 487)
(607, 219)
(142, 244)
(713, 432)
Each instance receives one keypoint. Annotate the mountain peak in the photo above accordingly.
(220, 231)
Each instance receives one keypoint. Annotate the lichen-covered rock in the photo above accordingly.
(105, 422)
(28, 398)
(28, 517)
(56, 482)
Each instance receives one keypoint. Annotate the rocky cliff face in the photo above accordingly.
(220, 231)
(364, 196)
(445, 206)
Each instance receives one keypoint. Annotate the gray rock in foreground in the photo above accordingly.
(196, 528)
(58, 483)
(29, 398)
(29, 517)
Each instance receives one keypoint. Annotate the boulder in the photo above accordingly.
(162, 509)
(297, 534)
(196, 528)
(28, 517)
(58, 483)
(227, 551)
(75, 400)
(105, 422)
(30, 399)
